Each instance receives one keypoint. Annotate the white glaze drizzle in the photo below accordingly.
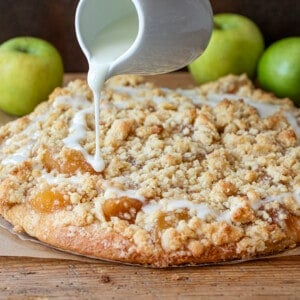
(78, 128)
(24, 151)
(293, 122)
(77, 134)
(56, 180)
(202, 210)
(297, 196)
(277, 198)
(112, 192)
(20, 156)
(96, 78)
(225, 216)
(111, 42)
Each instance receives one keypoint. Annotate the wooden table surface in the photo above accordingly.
(28, 278)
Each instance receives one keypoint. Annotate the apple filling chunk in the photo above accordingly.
(124, 208)
(49, 201)
(171, 219)
(72, 162)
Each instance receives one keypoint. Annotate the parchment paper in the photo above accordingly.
(22, 245)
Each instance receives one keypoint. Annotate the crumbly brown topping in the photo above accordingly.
(198, 173)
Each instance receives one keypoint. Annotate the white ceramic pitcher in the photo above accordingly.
(170, 33)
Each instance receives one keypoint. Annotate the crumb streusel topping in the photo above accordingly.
(185, 169)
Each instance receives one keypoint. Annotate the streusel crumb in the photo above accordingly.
(192, 176)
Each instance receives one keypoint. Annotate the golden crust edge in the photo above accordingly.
(109, 245)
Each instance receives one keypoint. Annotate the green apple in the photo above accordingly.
(279, 69)
(30, 68)
(235, 47)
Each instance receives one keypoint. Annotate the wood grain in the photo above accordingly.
(265, 279)
(26, 278)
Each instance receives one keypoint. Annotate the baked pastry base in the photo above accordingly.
(189, 179)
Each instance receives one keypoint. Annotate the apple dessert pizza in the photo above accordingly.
(194, 176)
